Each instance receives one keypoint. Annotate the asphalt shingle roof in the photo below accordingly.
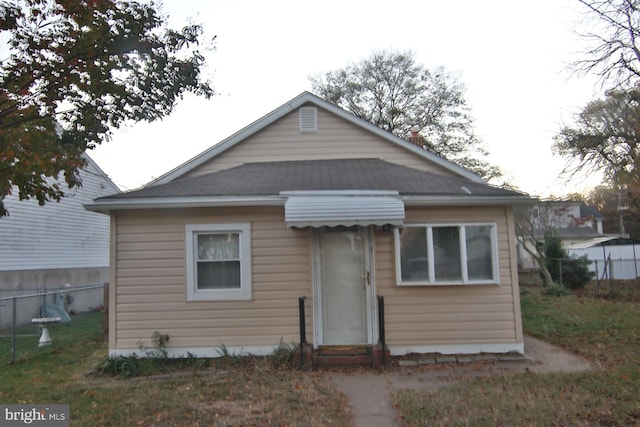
(270, 178)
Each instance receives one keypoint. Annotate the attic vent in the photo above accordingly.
(308, 119)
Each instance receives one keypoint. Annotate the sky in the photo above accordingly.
(512, 56)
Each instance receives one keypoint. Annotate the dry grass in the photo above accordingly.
(248, 395)
(259, 392)
(603, 330)
(228, 392)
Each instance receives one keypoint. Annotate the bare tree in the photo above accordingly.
(536, 224)
(614, 37)
(394, 92)
(527, 232)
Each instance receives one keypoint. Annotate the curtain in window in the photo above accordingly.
(414, 254)
(446, 252)
(218, 261)
(479, 264)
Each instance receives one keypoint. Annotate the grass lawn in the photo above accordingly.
(228, 392)
(606, 331)
(258, 391)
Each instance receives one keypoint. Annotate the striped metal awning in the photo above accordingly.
(335, 208)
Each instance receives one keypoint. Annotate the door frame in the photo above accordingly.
(370, 289)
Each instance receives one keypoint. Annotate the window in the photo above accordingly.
(446, 254)
(218, 262)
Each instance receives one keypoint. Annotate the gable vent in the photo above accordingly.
(308, 119)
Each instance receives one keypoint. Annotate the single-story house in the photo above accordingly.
(311, 201)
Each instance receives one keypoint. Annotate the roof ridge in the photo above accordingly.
(290, 106)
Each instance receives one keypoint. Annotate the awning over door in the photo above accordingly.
(319, 209)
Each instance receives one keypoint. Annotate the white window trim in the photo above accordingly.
(463, 255)
(194, 294)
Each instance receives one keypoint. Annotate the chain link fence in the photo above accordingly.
(616, 269)
(609, 276)
(19, 308)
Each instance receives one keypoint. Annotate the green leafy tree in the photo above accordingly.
(606, 138)
(77, 69)
(392, 91)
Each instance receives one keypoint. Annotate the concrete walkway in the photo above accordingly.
(369, 392)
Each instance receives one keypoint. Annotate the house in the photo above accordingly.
(576, 223)
(312, 204)
(58, 243)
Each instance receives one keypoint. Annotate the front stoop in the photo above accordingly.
(330, 357)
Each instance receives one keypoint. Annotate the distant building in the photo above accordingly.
(574, 222)
(58, 243)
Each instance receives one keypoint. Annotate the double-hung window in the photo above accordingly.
(218, 262)
(446, 254)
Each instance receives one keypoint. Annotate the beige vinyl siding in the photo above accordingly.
(335, 139)
(451, 315)
(150, 289)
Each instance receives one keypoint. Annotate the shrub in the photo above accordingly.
(571, 271)
(575, 272)
(556, 290)
(553, 252)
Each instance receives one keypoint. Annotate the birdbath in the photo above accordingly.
(43, 322)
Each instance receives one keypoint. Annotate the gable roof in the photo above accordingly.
(589, 211)
(304, 99)
(269, 183)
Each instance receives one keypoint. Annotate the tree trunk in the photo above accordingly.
(539, 260)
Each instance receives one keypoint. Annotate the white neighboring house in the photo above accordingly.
(58, 243)
(575, 223)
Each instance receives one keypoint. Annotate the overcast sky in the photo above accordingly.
(511, 55)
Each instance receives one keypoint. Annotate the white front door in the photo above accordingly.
(343, 279)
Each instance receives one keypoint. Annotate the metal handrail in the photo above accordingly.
(381, 331)
(303, 329)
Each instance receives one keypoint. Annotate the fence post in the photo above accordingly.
(635, 263)
(610, 274)
(105, 307)
(43, 301)
(597, 281)
(13, 331)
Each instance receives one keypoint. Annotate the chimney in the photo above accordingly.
(415, 138)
